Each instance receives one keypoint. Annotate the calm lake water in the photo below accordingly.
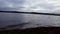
(33, 20)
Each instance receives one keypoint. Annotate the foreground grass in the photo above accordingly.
(41, 30)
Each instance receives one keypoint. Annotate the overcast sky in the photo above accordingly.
(31, 5)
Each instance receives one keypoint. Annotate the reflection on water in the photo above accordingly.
(7, 19)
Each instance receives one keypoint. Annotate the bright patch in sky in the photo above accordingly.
(30, 5)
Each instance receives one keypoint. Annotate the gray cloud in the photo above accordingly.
(25, 5)
(11, 4)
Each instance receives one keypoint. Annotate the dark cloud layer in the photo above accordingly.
(10, 4)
